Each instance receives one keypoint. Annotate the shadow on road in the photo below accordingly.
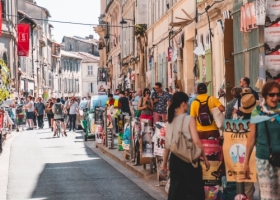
(89, 178)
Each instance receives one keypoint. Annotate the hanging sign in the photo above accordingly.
(272, 39)
(169, 50)
(23, 39)
(234, 150)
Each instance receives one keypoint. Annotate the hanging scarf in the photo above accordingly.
(261, 113)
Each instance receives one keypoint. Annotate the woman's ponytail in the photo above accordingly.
(171, 112)
(177, 99)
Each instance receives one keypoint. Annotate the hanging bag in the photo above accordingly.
(274, 158)
(184, 148)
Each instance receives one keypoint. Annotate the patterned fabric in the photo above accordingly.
(161, 105)
(269, 180)
(230, 108)
(261, 113)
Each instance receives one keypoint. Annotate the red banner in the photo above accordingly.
(23, 39)
(0, 18)
(169, 51)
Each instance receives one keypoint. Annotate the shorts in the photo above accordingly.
(29, 115)
(61, 119)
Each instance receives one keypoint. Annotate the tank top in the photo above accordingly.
(146, 111)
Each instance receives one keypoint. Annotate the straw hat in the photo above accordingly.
(246, 90)
(248, 103)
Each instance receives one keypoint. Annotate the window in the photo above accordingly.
(64, 65)
(70, 47)
(90, 70)
(71, 69)
(3, 9)
(90, 87)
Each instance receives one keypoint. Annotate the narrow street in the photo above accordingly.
(44, 167)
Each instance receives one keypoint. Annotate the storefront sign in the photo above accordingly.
(169, 50)
(234, 149)
(23, 39)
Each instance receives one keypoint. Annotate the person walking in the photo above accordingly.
(50, 113)
(124, 102)
(205, 123)
(34, 115)
(264, 136)
(62, 100)
(146, 106)
(30, 112)
(185, 180)
(73, 109)
(160, 102)
(39, 111)
(57, 109)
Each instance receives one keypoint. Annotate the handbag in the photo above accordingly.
(274, 158)
(184, 148)
(219, 117)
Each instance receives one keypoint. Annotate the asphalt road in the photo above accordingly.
(43, 167)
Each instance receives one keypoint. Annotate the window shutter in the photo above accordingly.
(159, 69)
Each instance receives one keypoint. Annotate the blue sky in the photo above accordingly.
(82, 11)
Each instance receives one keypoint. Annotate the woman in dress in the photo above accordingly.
(185, 180)
(265, 120)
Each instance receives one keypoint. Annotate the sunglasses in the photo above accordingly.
(148, 92)
(274, 94)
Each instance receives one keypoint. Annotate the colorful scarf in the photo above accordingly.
(261, 114)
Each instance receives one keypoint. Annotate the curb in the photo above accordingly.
(125, 163)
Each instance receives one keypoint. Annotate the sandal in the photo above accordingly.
(65, 133)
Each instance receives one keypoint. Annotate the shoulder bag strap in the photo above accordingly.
(268, 137)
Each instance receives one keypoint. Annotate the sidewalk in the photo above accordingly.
(118, 156)
(5, 163)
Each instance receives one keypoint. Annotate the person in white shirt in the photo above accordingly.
(30, 112)
(73, 106)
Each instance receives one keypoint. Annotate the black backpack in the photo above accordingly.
(58, 109)
(204, 117)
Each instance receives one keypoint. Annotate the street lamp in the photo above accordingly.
(124, 21)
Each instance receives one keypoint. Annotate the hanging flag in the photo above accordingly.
(0, 18)
(23, 39)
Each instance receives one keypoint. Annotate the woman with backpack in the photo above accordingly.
(146, 106)
(185, 178)
(57, 110)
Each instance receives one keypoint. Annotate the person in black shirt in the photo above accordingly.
(245, 82)
(124, 103)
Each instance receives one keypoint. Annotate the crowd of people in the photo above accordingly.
(164, 105)
(62, 109)
(185, 179)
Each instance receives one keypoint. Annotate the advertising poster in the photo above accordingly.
(272, 38)
(262, 69)
(234, 150)
(99, 134)
(147, 144)
(253, 15)
(102, 87)
(248, 17)
(159, 139)
(213, 152)
(260, 12)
